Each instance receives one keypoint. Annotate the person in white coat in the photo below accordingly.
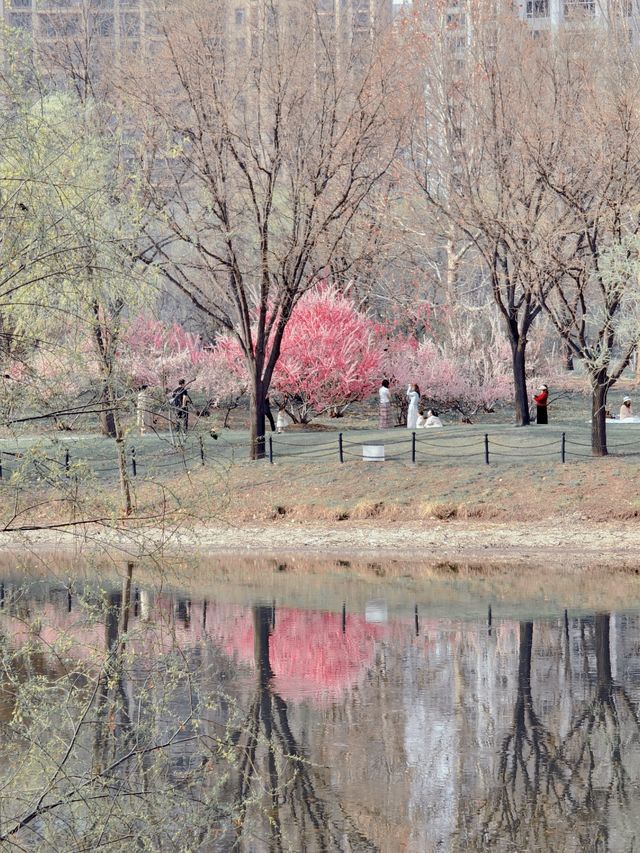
(384, 421)
(432, 419)
(625, 409)
(413, 396)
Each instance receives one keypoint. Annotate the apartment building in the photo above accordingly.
(552, 14)
(543, 16)
(133, 22)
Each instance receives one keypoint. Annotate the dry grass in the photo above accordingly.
(598, 490)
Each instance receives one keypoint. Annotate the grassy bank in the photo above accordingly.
(51, 478)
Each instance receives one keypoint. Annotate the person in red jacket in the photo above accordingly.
(540, 399)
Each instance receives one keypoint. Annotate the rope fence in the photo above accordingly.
(29, 464)
(45, 466)
(415, 448)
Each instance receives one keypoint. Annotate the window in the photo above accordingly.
(537, 8)
(152, 24)
(104, 25)
(241, 45)
(20, 4)
(20, 21)
(130, 24)
(573, 7)
(239, 17)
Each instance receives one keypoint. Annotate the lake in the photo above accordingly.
(256, 709)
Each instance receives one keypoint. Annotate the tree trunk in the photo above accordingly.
(257, 415)
(600, 388)
(567, 356)
(518, 349)
(107, 418)
(121, 450)
(603, 654)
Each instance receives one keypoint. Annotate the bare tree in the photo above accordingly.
(591, 241)
(260, 167)
(470, 161)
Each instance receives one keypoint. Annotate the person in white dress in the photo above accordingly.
(384, 421)
(421, 421)
(432, 420)
(283, 420)
(625, 409)
(413, 396)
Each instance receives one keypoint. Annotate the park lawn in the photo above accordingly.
(525, 480)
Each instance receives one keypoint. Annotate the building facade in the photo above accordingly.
(133, 22)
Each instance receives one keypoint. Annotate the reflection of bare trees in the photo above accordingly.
(552, 786)
(529, 775)
(107, 752)
(278, 792)
(601, 747)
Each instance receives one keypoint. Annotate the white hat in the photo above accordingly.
(626, 399)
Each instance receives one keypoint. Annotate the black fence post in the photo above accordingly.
(134, 467)
(413, 447)
(563, 447)
(271, 450)
(67, 464)
(486, 448)
(489, 620)
(340, 450)
(201, 450)
(416, 620)
(0, 464)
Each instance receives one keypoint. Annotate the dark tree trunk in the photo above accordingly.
(567, 356)
(603, 654)
(518, 350)
(524, 680)
(107, 418)
(600, 387)
(258, 421)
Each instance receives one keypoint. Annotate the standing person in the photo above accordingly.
(413, 396)
(625, 409)
(181, 401)
(384, 421)
(540, 399)
(283, 420)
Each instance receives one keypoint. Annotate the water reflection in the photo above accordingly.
(289, 728)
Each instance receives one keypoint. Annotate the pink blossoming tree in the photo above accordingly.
(329, 358)
(157, 355)
(456, 373)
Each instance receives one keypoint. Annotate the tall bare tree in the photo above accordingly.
(589, 246)
(470, 161)
(261, 163)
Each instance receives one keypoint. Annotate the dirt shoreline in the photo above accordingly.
(569, 545)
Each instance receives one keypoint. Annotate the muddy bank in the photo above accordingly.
(568, 546)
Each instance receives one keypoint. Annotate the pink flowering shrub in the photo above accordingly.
(155, 354)
(460, 374)
(329, 358)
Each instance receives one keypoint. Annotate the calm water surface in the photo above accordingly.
(377, 725)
